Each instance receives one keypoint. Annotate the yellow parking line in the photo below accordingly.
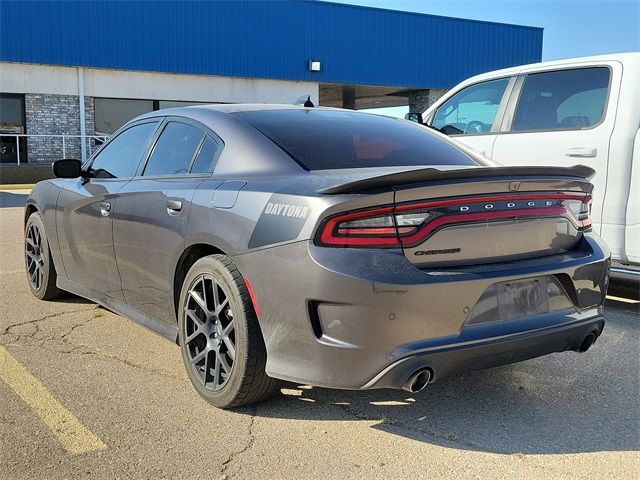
(17, 186)
(74, 437)
(10, 272)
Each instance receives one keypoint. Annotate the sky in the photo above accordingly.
(572, 28)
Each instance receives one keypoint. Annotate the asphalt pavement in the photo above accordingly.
(87, 393)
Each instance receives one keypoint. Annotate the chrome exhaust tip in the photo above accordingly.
(417, 381)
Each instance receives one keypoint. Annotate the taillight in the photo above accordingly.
(366, 228)
(580, 211)
(378, 227)
(408, 224)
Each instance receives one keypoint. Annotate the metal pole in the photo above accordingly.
(83, 130)
(18, 148)
(64, 147)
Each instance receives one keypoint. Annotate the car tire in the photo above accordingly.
(41, 272)
(221, 343)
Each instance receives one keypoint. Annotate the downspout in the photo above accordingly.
(83, 129)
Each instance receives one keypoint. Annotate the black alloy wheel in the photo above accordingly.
(209, 332)
(41, 272)
(33, 254)
(220, 337)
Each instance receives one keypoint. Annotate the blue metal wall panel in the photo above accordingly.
(269, 39)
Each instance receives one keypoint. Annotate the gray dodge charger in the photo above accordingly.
(320, 246)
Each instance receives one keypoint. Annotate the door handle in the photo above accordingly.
(174, 207)
(583, 152)
(105, 209)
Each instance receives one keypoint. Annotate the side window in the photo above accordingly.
(121, 157)
(205, 162)
(174, 150)
(562, 100)
(471, 111)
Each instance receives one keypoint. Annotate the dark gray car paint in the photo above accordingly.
(148, 239)
(85, 234)
(374, 307)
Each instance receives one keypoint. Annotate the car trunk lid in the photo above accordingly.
(479, 215)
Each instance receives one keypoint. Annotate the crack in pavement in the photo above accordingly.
(41, 319)
(64, 336)
(49, 342)
(233, 455)
(17, 337)
(84, 349)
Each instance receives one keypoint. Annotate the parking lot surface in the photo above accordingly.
(87, 393)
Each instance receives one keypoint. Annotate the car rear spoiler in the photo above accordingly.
(433, 174)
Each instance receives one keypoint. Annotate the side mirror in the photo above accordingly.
(67, 168)
(414, 117)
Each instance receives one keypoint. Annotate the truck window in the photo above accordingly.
(472, 110)
(562, 100)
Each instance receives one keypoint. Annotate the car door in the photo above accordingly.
(563, 118)
(151, 214)
(85, 206)
(473, 115)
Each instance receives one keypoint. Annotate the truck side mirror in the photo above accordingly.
(414, 117)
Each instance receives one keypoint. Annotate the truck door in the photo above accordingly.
(473, 115)
(563, 118)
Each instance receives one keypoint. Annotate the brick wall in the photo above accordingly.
(420, 100)
(55, 115)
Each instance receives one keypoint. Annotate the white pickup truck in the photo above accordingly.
(562, 113)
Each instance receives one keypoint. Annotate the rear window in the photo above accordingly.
(325, 139)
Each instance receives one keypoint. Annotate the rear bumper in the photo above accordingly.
(354, 318)
(488, 352)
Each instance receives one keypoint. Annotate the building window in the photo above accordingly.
(12, 122)
(175, 104)
(112, 113)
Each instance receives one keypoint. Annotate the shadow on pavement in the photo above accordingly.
(562, 403)
(624, 288)
(10, 200)
(71, 299)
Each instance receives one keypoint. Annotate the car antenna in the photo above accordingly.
(309, 103)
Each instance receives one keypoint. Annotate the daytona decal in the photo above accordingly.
(286, 210)
(281, 220)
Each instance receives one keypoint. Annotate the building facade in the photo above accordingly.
(82, 68)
